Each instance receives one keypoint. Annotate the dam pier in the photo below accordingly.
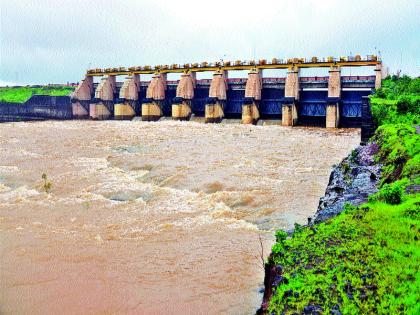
(331, 101)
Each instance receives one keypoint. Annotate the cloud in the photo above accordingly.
(44, 41)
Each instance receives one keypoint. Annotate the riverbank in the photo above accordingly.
(20, 94)
(363, 259)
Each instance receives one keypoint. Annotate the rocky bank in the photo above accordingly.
(351, 182)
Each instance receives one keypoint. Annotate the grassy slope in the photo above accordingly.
(364, 261)
(22, 94)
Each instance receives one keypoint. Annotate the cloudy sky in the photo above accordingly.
(56, 41)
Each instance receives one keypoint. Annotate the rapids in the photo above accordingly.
(151, 218)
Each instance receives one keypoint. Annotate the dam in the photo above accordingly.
(170, 217)
(331, 101)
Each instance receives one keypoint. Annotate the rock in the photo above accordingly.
(312, 309)
(279, 269)
(335, 310)
(352, 181)
(412, 189)
(280, 279)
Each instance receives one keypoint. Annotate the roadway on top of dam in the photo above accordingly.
(248, 65)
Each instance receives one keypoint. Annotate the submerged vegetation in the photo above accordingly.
(365, 260)
(23, 93)
(46, 185)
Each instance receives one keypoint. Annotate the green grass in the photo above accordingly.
(366, 260)
(22, 94)
(399, 152)
(398, 101)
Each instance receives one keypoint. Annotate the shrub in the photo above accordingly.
(398, 101)
(407, 104)
(398, 143)
(280, 236)
(392, 194)
(47, 185)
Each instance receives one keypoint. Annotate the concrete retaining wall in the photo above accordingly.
(38, 107)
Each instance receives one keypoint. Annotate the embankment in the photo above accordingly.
(351, 182)
(359, 254)
(38, 107)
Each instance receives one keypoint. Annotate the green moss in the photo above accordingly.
(22, 94)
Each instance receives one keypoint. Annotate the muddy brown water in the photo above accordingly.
(151, 218)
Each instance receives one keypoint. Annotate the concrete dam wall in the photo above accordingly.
(38, 107)
(165, 99)
(330, 101)
(311, 106)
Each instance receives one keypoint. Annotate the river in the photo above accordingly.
(151, 218)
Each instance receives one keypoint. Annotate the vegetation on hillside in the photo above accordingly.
(23, 93)
(398, 101)
(366, 260)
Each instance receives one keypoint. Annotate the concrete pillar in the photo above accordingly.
(103, 105)
(181, 107)
(250, 111)
(334, 95)
(129, 93)
(81, 98)
(152, 108)
(291, 95)
(214, 110)
(334, 82)
(333, 115)
(378, 76)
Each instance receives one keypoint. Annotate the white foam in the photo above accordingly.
(89, 164)
(8, 169)
(19, 194)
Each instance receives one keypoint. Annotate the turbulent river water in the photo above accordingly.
(151, 218)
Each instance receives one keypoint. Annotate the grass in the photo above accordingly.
(399, 152)
(23, 93)
(398, 101)
(366, 260)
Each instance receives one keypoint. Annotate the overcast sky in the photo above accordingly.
(56, 41)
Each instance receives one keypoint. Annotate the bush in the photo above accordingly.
(407, 104)
(398, 143)
(412, 169)
(398, 101)
(414, 86)
(392, 194)
(280, 236)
